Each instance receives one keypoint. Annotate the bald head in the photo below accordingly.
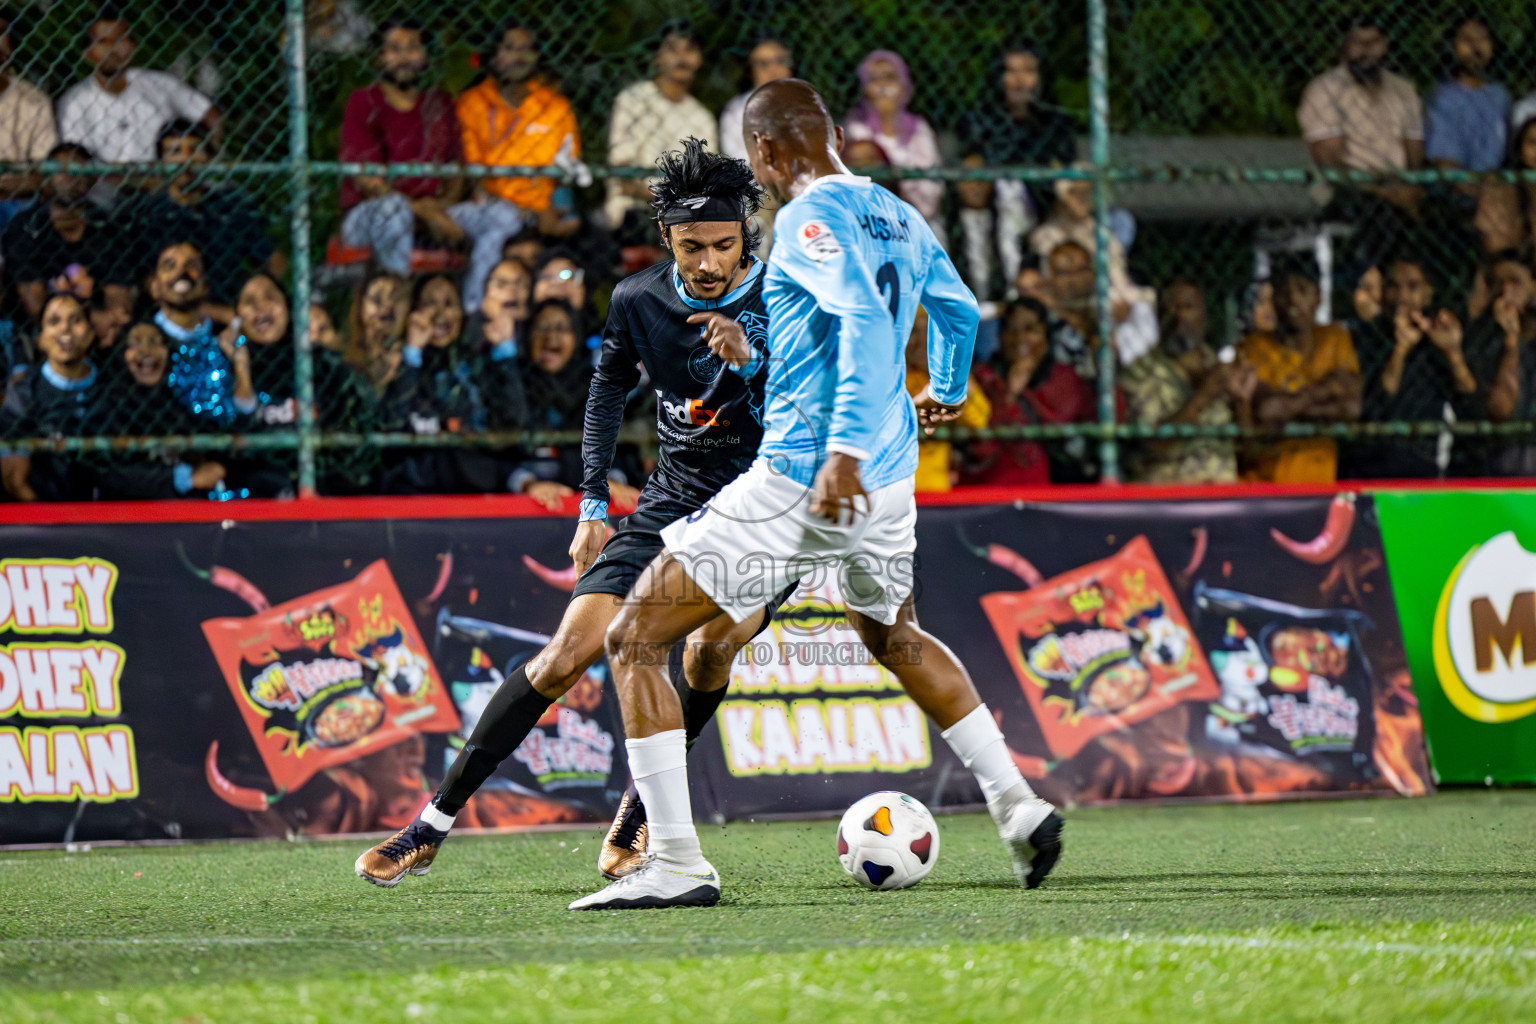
(790, 137)
(786, 108)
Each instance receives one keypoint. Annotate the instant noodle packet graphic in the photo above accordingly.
(329, 677)
(1100, 647)
(1293, 679)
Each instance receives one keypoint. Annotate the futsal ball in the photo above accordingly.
(887, 840)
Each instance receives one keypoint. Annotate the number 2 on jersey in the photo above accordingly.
(886, 276)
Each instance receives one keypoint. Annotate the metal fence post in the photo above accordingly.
(1098, 133)
(299, 182)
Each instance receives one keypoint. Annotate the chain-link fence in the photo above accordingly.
(1284, 221)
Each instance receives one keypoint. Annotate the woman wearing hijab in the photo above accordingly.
(881, 116)
(556, 377)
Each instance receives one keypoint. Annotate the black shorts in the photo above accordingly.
(633, 546)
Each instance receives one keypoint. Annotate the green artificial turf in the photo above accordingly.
(1383, 910)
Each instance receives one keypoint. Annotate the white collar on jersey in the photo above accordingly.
(725, 300)
(847, 179)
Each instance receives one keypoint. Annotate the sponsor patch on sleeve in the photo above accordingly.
(818, 242)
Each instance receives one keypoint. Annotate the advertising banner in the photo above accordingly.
(1193, 650)
(1465, 579)
(271, 678)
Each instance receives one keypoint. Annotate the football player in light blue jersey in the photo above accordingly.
(831, 489)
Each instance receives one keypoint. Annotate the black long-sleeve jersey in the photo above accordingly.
(709, 419)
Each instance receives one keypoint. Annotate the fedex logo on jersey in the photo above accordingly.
(691, 413)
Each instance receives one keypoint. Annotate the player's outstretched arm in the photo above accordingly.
(617, 374)
(952, 319)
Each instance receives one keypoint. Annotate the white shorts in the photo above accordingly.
(757, 536)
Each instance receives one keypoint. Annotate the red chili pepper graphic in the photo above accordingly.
(244, 589)
(227, 579)
(243, 797)
(1198, 556)
(1005, 558)
(1325, 547)
(1009, 559)
(445, 571)
(565, 579)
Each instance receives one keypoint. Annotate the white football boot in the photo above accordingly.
(1033, 836)
(654, 885)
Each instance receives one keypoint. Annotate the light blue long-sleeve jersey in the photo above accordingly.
(851, 263)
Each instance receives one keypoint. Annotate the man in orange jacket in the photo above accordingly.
(513, 119)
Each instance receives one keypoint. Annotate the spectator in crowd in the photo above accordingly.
(220, 219)
(262, 305)
(323, 334)
(210, 372)
(1501, 351)
(866, 156)
(1257, 313)
(1025, 128)
(398, 119)
(882, 116)
(109, 318)
(650, 117)
(138, 402)
(27, 131)
(1366, 300)
(1307, 373)
(439, 391)
(336, 27)
(1182, 381)
(1068, 292)
(1466, 118)
(557, 383)
(118, 111)
(379, 311)
(496, 327)
(558, 275)
(1506, 215)
(1412, 366)
(934, 471)
(66, 244)
(1360, 116)
(1072, 219)
(516, 119)
(978, 255)
(1024, 385)
(525, 247)
(768, 61)
(57, 398)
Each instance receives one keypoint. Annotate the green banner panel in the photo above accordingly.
(1463, 568)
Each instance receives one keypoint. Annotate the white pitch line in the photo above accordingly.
(1303, 945)
(1188, 941)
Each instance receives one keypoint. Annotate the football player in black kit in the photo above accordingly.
(672, 318)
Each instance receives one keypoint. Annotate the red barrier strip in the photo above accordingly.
(511, 506)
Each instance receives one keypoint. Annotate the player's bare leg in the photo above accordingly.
(939, 684)
(513, 711)
(664, 606)
(706, 658)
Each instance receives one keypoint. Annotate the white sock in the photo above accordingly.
(659, 764)
(978, 743)
(437, 819)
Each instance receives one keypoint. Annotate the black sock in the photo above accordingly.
(699, 706)
(514, 709)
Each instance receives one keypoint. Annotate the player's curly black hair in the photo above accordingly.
(694, 171)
